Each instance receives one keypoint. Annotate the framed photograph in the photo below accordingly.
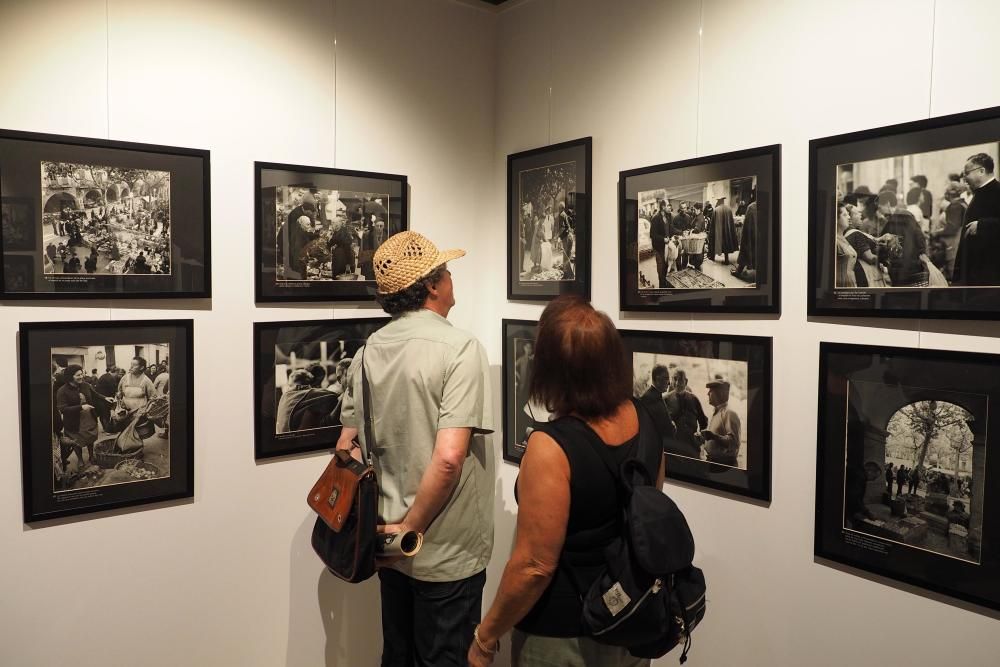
(519, 414)
(711, 396)
(904, 221)
(104, 219)
(299, 372)
(548, 221)
(702, 235)
(902, 470)
(107, 415)
(318, 230)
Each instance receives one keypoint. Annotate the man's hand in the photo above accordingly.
(389, 529)
(971, 227)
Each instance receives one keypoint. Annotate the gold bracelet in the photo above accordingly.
(482, 647)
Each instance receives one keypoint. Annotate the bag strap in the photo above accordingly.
(369, 442)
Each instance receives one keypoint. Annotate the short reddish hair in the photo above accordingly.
(580, 365)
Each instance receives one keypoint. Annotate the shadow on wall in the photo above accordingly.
(321, 605)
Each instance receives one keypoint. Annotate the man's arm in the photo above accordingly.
(451, 446)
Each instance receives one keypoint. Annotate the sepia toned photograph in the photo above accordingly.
(107, 415)
(904, 468)
(301, 378)
(710, 396)
(698, 236)
(699, 405)
(318, 230)
(520, 413)
(924, 496)
(905, 220)
(548, 221)
(111, 422)
(913, 220)
(103, 220)
(702, 235)
(329, 234)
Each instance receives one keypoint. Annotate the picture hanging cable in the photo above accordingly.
(107, 68)
(333, 6)
(930, 88)
(552, 13)
(697, 112)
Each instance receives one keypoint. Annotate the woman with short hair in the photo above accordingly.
(568, 505)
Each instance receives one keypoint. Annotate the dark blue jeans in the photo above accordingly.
(428, 623)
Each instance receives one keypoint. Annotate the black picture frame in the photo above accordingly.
(316, 428)
(744, 361)
(566, 162)
(284, 283)
(516, 421)
(51, 487)
(122, 200)
(858, 523)
(699, 283)
(850, 166)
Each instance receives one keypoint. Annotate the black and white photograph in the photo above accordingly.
(710, 397)
(18, 216)
(318, 230)
(329, 234)
(699, 403)
(910, 217)
(698, 236)
(520, 413)
(903, 466)
(105, 219)
(301, 373)
(701, 235)
(549, 221)
(112, 414)
(107, 415)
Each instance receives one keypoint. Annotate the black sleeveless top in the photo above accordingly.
(594, 522)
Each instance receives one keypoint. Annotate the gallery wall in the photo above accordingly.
(229, 578)
(655, 81)
(442, 91)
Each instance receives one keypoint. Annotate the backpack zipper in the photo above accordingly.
(696, 602)
(653, 590)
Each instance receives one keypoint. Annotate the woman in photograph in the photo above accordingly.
(867, 270)
(847, 256)
(79, 405)
(565, 492)
(136, 389)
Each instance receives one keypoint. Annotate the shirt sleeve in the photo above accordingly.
(465, 399)
(352, 386)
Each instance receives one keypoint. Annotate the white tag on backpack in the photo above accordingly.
(615, 599)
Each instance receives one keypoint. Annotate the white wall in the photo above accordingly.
(634, 76)
(230, 578)
(443, 91)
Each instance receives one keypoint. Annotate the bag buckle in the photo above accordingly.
(333, 496)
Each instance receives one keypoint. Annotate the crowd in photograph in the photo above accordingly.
(326, 235)
(694, 232)
(89, 405)
(112, 239)
(888, 239)
(311, 396)
(547, 223)
(681, 420)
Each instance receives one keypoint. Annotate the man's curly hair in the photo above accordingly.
(411, 298)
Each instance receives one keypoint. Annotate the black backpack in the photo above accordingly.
(649, 597)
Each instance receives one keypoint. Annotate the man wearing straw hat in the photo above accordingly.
(431, 405)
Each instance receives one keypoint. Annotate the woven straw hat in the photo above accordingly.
(405, 258)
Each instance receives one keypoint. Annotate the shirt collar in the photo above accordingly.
(984, 185)
(424, 314)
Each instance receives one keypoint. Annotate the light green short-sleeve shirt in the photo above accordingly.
(426, 375)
